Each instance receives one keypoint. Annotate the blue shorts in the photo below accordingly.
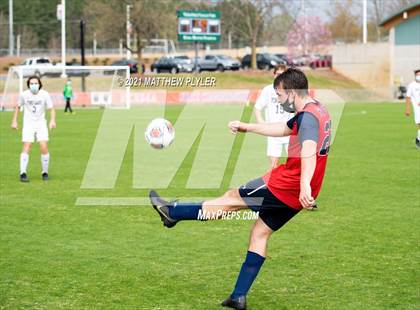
(272, 211)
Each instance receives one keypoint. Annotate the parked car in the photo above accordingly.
(298, 61)
(76, 72)
(184, 59)
(44, 66)
(287, 60)
(265, 61)
(131, 63)
(279, 60)
(322, 61)
(218, 62)
(172, 65)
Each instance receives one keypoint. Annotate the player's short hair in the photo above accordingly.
(36, 78)
(280, 67)
(293, 79)
(416, 71)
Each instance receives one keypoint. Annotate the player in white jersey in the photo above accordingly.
(33, 102)
(274, 113)
(413, 97)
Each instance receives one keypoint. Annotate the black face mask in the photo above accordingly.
(288, 106)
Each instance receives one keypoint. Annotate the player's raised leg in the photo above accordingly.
(173, 212)
(24, 160)
(45, 159)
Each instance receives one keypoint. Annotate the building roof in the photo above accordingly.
(400, 17)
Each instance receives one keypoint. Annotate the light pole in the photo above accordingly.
(63, 37)
(128, 32)
(11, 38)
(364, 21)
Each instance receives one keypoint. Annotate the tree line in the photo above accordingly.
(244, 22)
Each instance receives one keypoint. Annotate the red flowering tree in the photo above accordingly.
(308, 35)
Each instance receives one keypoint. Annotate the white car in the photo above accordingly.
(42, 66)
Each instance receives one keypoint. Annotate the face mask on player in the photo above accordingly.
(288, 105)
(418, 78)
(34, 88)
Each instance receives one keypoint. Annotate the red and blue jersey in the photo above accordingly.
(313, 123)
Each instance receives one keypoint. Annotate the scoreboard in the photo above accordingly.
(198, 26)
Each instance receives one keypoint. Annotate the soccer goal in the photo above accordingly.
(93, 86)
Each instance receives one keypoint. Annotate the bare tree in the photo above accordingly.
(149, 19)
(251, 17)
(397, 5)
(105, 20)
(345, 25)
(152, 19)
(378, 10)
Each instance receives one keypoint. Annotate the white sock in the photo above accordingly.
(24, 159)
(418, 134)
(45, 160)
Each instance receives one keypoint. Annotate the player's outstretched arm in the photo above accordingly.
(15, 118)
(265, 129)
(407, 105)
(258, 116)
(308, 164)
(52, 118)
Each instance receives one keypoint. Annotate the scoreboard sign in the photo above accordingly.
(198, 26)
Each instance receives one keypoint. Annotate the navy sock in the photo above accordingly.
(185, 211)
(248, 273)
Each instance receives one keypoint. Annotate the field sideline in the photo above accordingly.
(360, 250)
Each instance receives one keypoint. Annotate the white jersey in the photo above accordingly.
(268, 100)
(413, 92)
(34, 106)
(274, 112)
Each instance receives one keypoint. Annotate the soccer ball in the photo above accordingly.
(160, 133)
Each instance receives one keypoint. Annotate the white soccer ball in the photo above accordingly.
(160, 133)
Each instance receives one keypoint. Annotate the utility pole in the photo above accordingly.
(128, 32)
(82, 51)
(94, 44)
(18, 45)
(364, 21)
(11, 38)
(63, 37)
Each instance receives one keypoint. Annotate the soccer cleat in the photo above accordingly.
(161, 207)
(418, 143)
(24, 177)
(45, 176)
(237, 303)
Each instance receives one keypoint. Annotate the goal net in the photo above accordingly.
(93, 86)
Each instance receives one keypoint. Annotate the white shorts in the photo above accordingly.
(416, 112)
(35, 131)
(275, 146)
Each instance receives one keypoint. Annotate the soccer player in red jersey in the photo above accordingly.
(280, 194)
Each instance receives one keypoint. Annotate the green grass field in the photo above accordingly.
(359, 251)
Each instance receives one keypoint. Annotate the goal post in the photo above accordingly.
(93, 86)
